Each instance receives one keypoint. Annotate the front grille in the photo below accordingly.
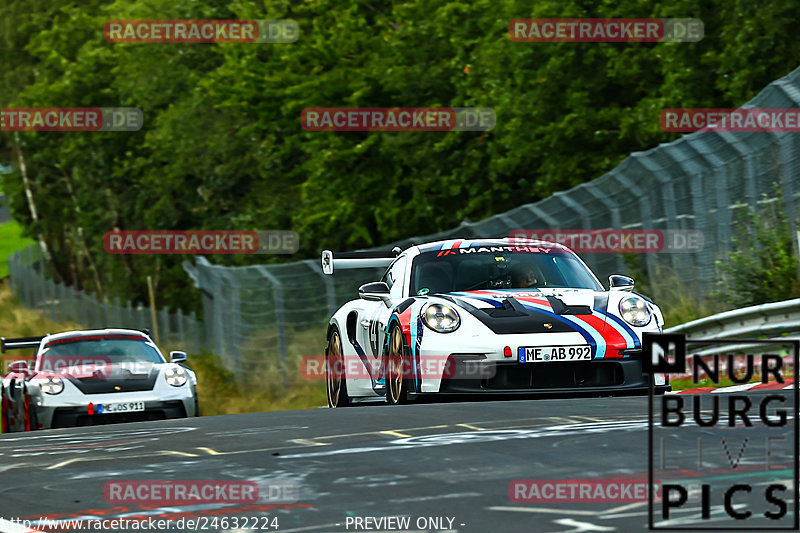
(555, 375)
(116, 418)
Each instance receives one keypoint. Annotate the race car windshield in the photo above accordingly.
(434, 272)
(113, 350)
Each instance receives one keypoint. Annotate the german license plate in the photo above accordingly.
(121, 407)
(548, 354)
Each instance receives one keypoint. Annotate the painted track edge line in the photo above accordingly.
(722, 390)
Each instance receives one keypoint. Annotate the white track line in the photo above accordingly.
(734, 388)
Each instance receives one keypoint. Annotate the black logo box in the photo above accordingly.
(679, 342)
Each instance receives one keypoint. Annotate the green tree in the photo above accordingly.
(763, 264)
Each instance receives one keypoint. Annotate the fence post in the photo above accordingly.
(49, 301)
(198, 336)
(330, 289)
(277, 296)
(163, 325)
(787, 189)
(141, 316)
(181, 336)
(63, 310)
(723, 212)
(646, 214)
(613, 210)
(705, 260)
(116, 311)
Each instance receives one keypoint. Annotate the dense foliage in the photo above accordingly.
(763, 264)
(222, 146)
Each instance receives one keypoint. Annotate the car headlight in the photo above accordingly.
(176, 376)
(51, 385)
(634, 311)
(440, 318)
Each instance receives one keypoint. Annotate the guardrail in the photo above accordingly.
(778, 320)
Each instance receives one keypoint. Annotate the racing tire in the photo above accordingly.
(4, 414)
(335, 378)
(397, 369)
(31, 419)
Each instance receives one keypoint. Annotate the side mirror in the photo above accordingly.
(616, 282)
(18, 367)
(177, 357)
(374, 292)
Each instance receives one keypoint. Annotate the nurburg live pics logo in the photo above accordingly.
(727, 461)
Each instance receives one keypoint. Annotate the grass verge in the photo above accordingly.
(11, 240)
(270, 390)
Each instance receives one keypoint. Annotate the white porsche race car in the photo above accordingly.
(91, 377)
(504, 316)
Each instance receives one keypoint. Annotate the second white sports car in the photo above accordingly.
(91, 377)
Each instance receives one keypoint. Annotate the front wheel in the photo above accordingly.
(397, 368)
(334, 372)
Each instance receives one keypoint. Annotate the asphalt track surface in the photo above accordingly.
(453, 460)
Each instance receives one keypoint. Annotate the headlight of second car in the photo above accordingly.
(175, 375)
(52, 385)
(440, 317)
(634, 311)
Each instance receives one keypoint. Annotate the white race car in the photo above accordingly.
(503, 316)
(80, 378)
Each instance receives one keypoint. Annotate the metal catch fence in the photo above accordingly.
(59, 302)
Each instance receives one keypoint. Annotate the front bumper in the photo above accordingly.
(71, 407)
(591, 377)
(620, 370)
(63, 417)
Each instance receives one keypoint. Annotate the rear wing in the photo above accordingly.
(19, 344)
(349, 260)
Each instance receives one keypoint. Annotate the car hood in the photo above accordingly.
(516, 311)
(117, 380)
(582, 298)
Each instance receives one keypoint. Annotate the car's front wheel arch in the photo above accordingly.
(335, 377)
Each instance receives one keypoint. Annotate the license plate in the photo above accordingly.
(121, 407)
(547, 354)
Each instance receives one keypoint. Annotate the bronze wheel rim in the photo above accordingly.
(333, 366)
(395, 365)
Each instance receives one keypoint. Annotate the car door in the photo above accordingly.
(372, 324)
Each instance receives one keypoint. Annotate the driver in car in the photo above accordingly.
(523, 277)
